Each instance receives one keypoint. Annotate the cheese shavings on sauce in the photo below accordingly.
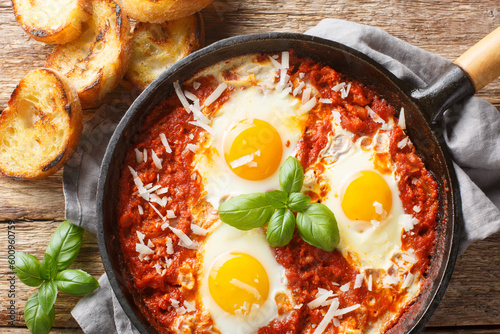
(164, 217)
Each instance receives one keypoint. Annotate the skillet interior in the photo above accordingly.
(344, 60)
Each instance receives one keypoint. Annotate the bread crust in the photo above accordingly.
(52, 21)
(157, 11)
(97, 60)
(41, 126)
(157, 46)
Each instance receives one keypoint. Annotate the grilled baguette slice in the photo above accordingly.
(96, 61)
(156, 46)
(41, 126)
(157, 11)
(52, 21)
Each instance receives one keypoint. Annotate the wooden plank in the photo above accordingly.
(473, 296)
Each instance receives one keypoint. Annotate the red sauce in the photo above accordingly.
(307, 267)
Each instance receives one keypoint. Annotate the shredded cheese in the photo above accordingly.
(198, 230)
(308, 106)
(180, 95)
(328, 317)
(359, 281)
(402, 119)
(165, 143)
(215, 94)
(138, 156)
(182, 236)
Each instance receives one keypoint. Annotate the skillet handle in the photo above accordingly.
(482, 61)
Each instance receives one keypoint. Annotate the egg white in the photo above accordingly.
(371, 246)
(254, 102)
(229, 239)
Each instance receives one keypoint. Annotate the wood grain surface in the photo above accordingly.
(447, 28)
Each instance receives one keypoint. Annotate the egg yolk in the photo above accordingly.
(367, 198)
(237, 281)
(253, 149)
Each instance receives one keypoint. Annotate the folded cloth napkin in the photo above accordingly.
(471, 130)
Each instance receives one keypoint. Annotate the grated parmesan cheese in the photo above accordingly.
(193, 148)
(171, 214)
(241, 161)
(196, 85)
(359, 281)
(138, 156)
(298, 89)
(141, 210)
(325, 101)
(320, 299)
(345, 287)
(180, 95)
(165, 143)
(157, 161)
(338, 87)
(182, 236)
(198, 230)
(306, 95)
(215, 94)
(328, 317)
(402, 119)
(170, 246)
(143, 249)
(203, 126)
(141, 237)
(308, 106)
(158, 212)
(190, 95)
(408, 222)
(370, 283)
(408, 281)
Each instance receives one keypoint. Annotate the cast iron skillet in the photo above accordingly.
(422, 107)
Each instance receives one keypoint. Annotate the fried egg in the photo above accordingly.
(363, 194)
(253, 134)
(241, 280)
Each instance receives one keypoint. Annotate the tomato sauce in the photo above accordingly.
(307, 268)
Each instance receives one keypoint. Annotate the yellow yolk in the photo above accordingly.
(253, 150)
(237, 281)
(367, 198)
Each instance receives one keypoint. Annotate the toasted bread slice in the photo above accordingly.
(41, 126)
(156, 46)
(52, 21)
(157, 11)
(96, 61)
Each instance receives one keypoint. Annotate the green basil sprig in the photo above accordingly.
(315, 222)
(52, 274)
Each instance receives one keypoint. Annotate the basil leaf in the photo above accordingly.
(277, 198)
(48, 270)
(47, 295)
(246, 212)
(28, 269)
(298, 201)
(76, 282)
(317, 226)
(281, 227)
(291, 175)
(37, 320)
(65, 244)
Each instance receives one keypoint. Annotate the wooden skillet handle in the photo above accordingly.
(482, 61)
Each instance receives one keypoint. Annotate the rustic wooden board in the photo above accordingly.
(447, 28)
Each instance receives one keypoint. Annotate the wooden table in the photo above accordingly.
(447, 28)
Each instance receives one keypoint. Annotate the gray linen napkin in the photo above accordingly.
(472, 132)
